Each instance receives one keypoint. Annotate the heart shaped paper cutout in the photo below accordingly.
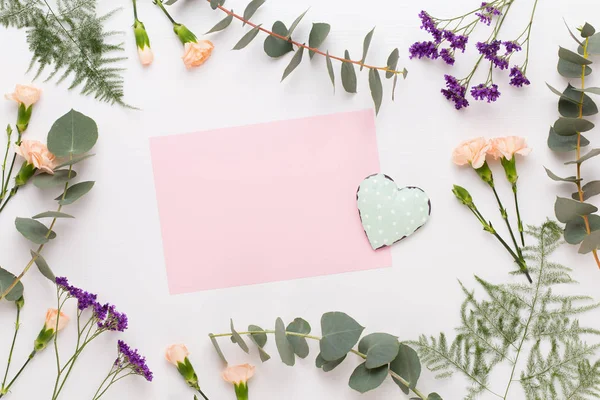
(388, 213)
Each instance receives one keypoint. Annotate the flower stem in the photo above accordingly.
(135, 15)
(5, 390)
(12, 347)
(298, 44)
(317, 338)
(162, 7)
(505, 218)
(519, 221)
(12, 193)
(202, 394)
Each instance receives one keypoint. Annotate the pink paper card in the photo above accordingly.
(264, 203)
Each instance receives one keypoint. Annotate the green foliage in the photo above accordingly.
(517, 322)
(382, 354)
(6, 279)
(565, 136)
(71, 41)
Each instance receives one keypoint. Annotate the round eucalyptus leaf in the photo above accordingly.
(59, 178)
(72, 134)
(260, 338)
(380, 348)
(6, 280)
(286, 352)
(318, 34)
(572, 126)
(434, 396)
(276, 47)
(34, 230)
(298, 343)
(340, 333)
(575, 230)
(363, 379)
(590, 243)
(327, 366)
(571, 70)
(563, 144)
(408, 366)
(568, 209)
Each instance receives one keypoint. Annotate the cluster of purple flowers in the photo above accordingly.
(490, 51)
(517, 78)
(430, 49)
(455, 92)
(107, 316)
(485, 92)
(487, 13)
(130, 358)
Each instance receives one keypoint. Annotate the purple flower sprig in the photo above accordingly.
(93, 319)
(129, 362)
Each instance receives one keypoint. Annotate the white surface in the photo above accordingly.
(114, 246)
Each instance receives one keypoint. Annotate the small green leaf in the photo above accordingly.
(327, 366)
(590, 189)
(72, 134)
(366, 45)
(264, 356)
(60, 177)
(392, 63)
(408, 366)
(330, 71)
(380, 348)
(576, 230)
(296, 60)
(247, 38)
(6, 280)
(594, 44)
(34, 230)
(558, 93)
(340, 333)
(223, 24)
(434, 396)
(318, 34)
(590, 243)
(43, 266)
(592, 153)
(569, 104)
(363, 379)
(74, 193)
(286, 352)
(52, 214)
(295, 24)
(587, 30)
(348, 74)
(572, 126)
(260, 338)
(276, 47)
(299, 343)
(236, 338)
(376, 88)
(567, 209)
(214, 4)
(214, 342)
(571, 70)
(251, 9)
(564, 143)
(557, 178)
(74, 160)
(572, 57)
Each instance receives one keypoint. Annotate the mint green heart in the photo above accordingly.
(390, 214)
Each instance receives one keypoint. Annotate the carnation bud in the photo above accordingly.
(463, 195)
(510, 169)
(143, 43)
(184, 34)
(177, 354)
(55, 322)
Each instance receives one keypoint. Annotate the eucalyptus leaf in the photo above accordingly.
(340, 333)
(237, 338)
(587, 30)
(590, 189)
(52, 214)
(295, 24)
(564, 143)
(557, 178)
(408, 366)
(75, 192)
(328, 366)
(34, 230)
(214, 4)
(568, 209)
(59, 178)
(376, 88)
(576, 230)
(590, 243)
(560, 94)
(274, 46)
(380, 348)
(221, 25)
(286, 352)
(6, 280)
(296, 60)
(299, 343)
(74, 160)
(572, 126)
(72, 134)
(43, 266)
(434, 396)
(594, 90)
(366, 45)
(392, 63)
(571, 70)
(251, 9)
(330, 70)
(570, 103)
(318, 34)
(260, 338)
(348, 74)
(594, 44)
(264, 356)
(592, 153)
(363, 379)
(572, 57)
(247, 38)
(214, 342)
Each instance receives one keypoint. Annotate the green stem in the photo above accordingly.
(135, 14)
(12, 347)
(202, 394)
(519, 221)
(505, 218)
(162, 7)
(10, 170)
(317, 338)
(529, 36)
(18, 373)
(111, 373)
(12, 193)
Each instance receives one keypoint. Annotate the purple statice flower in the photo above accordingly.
(487, 12)
(130, 358)
(511, 47)
(485, 18)
(456, 41)
(485, 92)
(429, 25)
(518, 79)
(113, 320)
(424, 49)
(447, 56)
(84, 299)
(455, 92)
(490, 52)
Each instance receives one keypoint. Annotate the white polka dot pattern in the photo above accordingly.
(389, 214)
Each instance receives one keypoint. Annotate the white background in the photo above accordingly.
(114, 246)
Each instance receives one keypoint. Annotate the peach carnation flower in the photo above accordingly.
(25, 94)
(471, 152)
(508, 146)
(36, 153)
(196, 53)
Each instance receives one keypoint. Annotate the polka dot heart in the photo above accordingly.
(390, 214)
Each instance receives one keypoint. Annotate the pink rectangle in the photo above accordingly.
(264, 203)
